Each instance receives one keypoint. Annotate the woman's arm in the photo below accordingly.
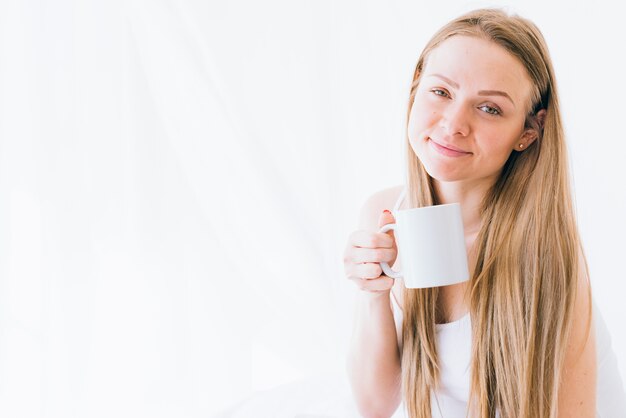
(373, 358)
(577, 393)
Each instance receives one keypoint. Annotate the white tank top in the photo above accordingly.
(454, 344)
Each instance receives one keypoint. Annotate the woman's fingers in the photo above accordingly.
(362, 257)
(372, 285)
(372, 255)
(368, 239)
(363, 271)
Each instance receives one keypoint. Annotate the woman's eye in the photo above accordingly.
(491, 110)
(437, 91)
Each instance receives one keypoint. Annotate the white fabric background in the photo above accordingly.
(178, 179)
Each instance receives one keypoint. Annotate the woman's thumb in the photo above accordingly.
(386, 218)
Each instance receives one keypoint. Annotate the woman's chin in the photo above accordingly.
(438, 167)
(442, 173)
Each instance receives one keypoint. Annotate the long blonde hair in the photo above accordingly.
(528, 253)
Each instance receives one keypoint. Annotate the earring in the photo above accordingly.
(521, 145)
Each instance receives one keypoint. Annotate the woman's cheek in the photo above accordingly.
(418, 117)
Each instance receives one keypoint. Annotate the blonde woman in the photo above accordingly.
(520, 338)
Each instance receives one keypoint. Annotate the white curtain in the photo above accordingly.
(178, 179)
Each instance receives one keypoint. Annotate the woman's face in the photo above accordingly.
(469, 110)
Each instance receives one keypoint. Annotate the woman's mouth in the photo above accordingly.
(448, 152)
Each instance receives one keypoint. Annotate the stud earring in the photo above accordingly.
(521, 145)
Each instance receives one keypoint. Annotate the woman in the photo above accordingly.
(519, 338)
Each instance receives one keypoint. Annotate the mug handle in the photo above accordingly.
(383, 264)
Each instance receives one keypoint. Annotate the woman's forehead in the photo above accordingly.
(475, 64)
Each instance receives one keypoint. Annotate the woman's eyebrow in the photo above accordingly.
(481, 92)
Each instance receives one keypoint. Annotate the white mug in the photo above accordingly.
(432, 243)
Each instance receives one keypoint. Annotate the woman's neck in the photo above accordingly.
(469, 195)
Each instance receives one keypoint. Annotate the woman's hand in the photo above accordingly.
(363, 253)
(374, 359)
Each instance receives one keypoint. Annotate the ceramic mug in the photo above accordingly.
(432, 243)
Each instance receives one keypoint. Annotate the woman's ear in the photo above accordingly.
(541, 118)
(527, 138)
(531, 134)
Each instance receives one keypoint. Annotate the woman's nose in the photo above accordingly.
(455, 120)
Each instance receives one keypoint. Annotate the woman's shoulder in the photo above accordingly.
(376, 203)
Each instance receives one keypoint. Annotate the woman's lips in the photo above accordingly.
(447, 151)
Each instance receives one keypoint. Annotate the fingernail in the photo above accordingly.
(386, 211)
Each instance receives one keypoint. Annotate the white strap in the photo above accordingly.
(400, 199)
